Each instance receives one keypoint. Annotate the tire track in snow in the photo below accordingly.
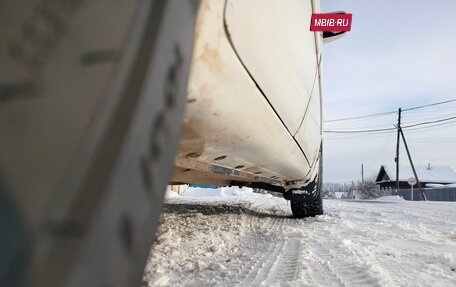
(287, 265)
(262, 267)
(281, 262)
(332, 265)
(241, 270)
(327, 261)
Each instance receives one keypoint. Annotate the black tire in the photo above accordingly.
(310, 203)
(92, 96)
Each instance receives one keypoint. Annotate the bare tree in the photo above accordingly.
(368, 189)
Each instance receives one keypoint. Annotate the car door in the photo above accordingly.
(274, 43)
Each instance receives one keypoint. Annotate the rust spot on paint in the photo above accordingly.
(211, 57)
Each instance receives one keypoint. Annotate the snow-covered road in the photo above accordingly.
(238, 238)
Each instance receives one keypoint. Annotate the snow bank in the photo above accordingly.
(230, 195)
(392, 198)
(226, 193)
(219, 192)
(435, 185)
(171, 194)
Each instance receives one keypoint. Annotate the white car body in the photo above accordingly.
(254, 96)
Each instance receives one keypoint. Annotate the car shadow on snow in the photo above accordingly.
(219, 209)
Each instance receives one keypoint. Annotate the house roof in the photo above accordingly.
(428, 174)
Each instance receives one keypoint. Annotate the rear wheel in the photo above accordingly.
(306, 201)
(309, 204)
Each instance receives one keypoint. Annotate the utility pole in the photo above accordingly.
(362, 173)
(413, 167)
(352, 190)
(397, 149)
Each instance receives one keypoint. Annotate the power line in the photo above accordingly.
(389, 129)
(432, 126)
(360, 131)
(336, 137)
(360, 117)
(386, 146)
(430, 122)
(391, 112)
(433, 141)
(430, 105)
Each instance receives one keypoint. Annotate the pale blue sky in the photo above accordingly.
(398, 54)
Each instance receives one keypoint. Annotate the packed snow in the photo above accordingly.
(235, 237)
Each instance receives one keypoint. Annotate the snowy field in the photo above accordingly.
(234, 237)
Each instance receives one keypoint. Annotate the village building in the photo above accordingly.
(429, 176)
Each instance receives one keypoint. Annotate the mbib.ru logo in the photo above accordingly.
(331, 22)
